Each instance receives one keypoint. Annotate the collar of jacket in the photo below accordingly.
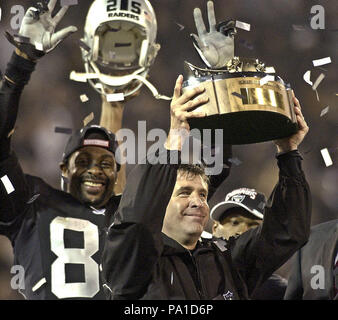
(172, 247)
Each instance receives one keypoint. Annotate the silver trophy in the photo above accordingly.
(246, 99)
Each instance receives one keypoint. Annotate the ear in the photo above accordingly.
(214, 227)
(64, 169)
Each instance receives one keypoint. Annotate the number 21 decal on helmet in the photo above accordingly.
(119, 46)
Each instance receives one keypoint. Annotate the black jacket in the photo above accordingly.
(272, 289)
(316, 259)
(140, 262)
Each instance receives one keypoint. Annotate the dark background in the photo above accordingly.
(51, 99)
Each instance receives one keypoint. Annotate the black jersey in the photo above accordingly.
(56, 239)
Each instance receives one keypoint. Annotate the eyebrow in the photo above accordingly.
(190, 189)
(107, 156)
(183, 189)
(83, 153)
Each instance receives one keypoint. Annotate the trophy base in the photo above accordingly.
(246, 127)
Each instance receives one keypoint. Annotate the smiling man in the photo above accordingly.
(57, 236)
(153, 249)
(188, 211)
(89, 165)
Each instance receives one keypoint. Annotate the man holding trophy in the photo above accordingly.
(154, 249)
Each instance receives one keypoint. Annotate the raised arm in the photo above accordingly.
(111, 119)
(134, 240)
(37, 29)
(286, 225)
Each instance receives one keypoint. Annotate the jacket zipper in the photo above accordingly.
(199, 289)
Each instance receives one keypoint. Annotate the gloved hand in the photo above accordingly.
(214, 47)
(37, 34)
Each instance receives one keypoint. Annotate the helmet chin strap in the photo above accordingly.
(116, 81)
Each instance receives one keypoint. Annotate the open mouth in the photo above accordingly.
(93, 187)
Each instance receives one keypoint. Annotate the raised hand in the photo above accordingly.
(292, 142)
(181, 109)
(38, 30)
(215, 48)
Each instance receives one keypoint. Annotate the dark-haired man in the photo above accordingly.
(57, 237)
(153, 249)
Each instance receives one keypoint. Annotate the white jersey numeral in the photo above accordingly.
(83, 256)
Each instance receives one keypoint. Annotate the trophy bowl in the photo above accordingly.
(247, 102)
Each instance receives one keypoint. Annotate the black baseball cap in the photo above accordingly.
(249, 199)
(93, 135)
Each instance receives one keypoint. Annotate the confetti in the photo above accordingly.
(32, 199)
(115, 97)
(84, 98)
(266, 79)
(325, 111)
(243, 25)
(11, 133)
(270, 70)
(321, 62)
(307, 76)
(7, 184)
(206, 235)
(318, 81)
(326, 157)
(317, 95)
(39, 284)
(236, 94)
(69, 3)
(63, 130)
(88, 119)
(235, 161)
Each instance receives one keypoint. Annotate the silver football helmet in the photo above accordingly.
(119, 47)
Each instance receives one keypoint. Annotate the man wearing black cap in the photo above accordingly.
(242, 210)
(57, 237)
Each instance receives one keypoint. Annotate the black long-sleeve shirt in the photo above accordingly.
(140, 262)
(56, 239)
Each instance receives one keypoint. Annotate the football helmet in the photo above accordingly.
(119, 46)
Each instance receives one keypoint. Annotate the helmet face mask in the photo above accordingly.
(120, 35)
